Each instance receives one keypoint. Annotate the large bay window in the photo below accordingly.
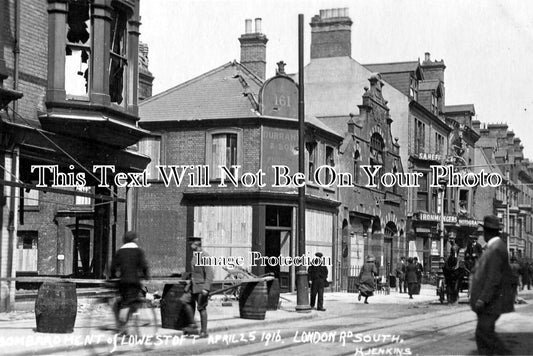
(91, 45)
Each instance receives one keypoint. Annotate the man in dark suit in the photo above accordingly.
(318, 276)
(198, 288)
(491, 291)
(130, 266)
(400, 275)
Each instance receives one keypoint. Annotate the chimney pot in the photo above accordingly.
(427, 57)
(248, 26)
(335, 12)
(258, 25)
(322, 14)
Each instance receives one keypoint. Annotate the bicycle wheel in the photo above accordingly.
(145, 324)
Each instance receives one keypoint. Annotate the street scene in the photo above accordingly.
(248, 177)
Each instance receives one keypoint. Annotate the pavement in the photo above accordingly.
(19, 337)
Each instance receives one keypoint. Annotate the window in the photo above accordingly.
(434, 104)
(439, 143)
(422, 193)
(83, 59)
(118, 56)
(31, 198)
(330, 161)
(420, 135)
(356, 166)
(413, 88)
(27, 240)
(511, 225)
(311, 154)
(223, 149)
(78, 49)
(81, 200)
(463, 202)
(151, 147)
(376, 154)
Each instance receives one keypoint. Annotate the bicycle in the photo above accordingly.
(105, 332)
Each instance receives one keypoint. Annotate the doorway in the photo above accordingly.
(278, 228)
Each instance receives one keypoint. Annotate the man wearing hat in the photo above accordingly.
(318, 276)
(197, 290)
(491, 292)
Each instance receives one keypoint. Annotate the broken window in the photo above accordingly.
(78, 48)
(118, 56)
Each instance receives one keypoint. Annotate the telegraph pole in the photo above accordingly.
(302, 284)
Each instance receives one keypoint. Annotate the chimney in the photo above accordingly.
(434, 70)
(331, 34)
(253, 48)
(145, 76)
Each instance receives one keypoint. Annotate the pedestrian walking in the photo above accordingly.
(491, 291)
(524, 272)
(197, 289)
(400, 275)
(411, 277)
(367, 278)
(130, 266)
(419, 271)
(515, 269)
(318, 278)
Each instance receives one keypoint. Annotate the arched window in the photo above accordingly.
(376, 154)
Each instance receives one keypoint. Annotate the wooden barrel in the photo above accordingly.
(172, 307)
(273, 294)
(253, 300)
(56, 307)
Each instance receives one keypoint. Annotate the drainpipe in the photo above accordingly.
(16, 53)
(11, 229)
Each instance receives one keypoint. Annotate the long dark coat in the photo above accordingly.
(366, 278)
(411, 273)
(491, 280)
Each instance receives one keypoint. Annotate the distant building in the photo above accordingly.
(231, 117)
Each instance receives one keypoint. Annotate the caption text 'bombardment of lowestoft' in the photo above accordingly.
(197, 176)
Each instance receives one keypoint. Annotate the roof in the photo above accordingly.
(228, 91)
(428, 85)
(397, 67)
(460, 108)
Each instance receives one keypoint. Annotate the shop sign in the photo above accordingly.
(430, 156)
(469, 222)
(437, 218)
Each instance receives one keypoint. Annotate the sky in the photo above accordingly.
(486, 45)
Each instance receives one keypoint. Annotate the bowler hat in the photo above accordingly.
(319, 254)
(491, 222)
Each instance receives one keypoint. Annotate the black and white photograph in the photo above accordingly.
(253, 177)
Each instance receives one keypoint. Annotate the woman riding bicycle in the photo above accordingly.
(130, 266)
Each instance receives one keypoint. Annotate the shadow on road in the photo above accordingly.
(518, 343)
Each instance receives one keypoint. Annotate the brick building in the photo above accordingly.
(230, 116)
(76, 107)
(512, 201)
(436, 134)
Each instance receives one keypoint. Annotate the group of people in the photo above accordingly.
(409, 276)
(129, 265)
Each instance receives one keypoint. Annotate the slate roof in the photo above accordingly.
(217, 94)
(398, 67)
